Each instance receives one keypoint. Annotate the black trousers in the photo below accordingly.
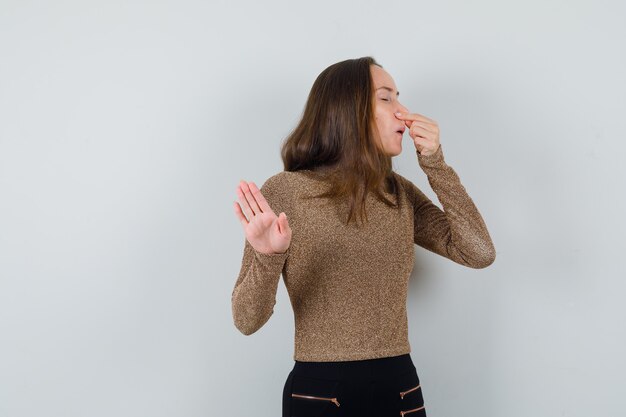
(383, 387)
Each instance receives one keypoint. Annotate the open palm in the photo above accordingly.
(266, 232)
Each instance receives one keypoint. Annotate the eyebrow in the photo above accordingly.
(387, 88)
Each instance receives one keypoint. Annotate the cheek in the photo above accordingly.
(383, 120)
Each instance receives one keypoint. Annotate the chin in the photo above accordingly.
(393, 149)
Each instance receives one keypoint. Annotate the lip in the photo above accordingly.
(401, 130)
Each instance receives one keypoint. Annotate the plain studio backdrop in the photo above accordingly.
(126, 126)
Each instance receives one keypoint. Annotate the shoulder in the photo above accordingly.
(273, 181)
(282, 182)
(281, 188)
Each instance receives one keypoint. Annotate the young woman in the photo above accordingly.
(340, 225)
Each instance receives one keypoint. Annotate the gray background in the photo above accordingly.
(125, 127)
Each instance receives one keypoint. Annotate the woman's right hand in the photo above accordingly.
(266, 232)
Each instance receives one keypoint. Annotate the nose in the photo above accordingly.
(401, 108)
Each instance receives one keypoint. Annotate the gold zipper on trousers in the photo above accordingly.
(311, 397)
(402, 413)
(403, 393)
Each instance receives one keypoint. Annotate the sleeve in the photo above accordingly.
(254, 295)
(457, 232)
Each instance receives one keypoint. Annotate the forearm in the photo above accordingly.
(254, 294)
(460, 227)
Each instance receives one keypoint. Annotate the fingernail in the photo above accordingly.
(398, 114)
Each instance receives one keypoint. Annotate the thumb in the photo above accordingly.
(282, 222)
(278, 224)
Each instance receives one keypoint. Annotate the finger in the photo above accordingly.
(259, 198)
(277, 226)
(243, 202)
(421, 143)
(251, 200)
(242, 218)
(420, 131)
(414, 116)
(284, 223)
(428, 126)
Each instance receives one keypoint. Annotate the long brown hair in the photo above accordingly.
(337, 135)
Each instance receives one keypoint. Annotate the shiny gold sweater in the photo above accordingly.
(348, 284)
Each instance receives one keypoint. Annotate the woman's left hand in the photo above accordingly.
(423, 131)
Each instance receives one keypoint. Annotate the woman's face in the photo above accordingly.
(385, 107)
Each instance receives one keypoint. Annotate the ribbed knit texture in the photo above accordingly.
(348, 284)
